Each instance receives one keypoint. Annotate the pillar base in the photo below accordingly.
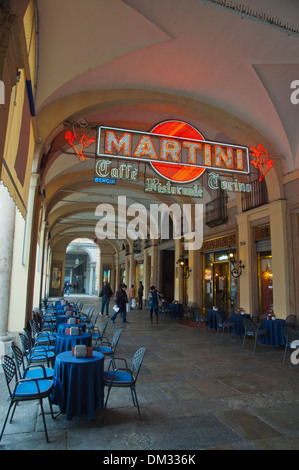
(5, 344)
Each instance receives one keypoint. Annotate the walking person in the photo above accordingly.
(153, 303)
(132, 302)
(140, 295)
(121, 300)
(106, 293)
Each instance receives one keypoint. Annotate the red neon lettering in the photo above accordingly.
(145, 147)
(221, 155)
(192, 150)
(124, 142)
(172, 148)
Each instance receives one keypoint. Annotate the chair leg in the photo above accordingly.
(255, 341)
(136, 400)
(109, 388)
(44, 420)
(244, 339)
(6, 418)
(285, 353)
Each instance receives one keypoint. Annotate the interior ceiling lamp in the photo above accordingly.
(77, 261)
(185, 269)
(236, 271)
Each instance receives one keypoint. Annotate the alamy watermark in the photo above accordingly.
(295, 354)
(295, 94)
(136, 221)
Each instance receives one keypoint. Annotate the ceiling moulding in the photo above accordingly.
(253, 14)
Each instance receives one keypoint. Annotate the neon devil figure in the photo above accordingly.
(261, 160)
(85, 142)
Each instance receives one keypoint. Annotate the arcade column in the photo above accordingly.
(7, 211)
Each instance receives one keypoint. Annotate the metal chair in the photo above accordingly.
(199, 318)
(25, 390)
(125, 376)
(290, 335)
(291, 321)
(96, 334)
(107, 348)
(35, 355)
(223, 323)
(250, 329)
(35, 371)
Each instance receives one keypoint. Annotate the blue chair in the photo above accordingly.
(125, 377)
(291, 335)
(223, 324)
(107, 348)
(251, 330)
(34, 371)
(25, 390)
(96, 334)
(36, 355)
(200, 318)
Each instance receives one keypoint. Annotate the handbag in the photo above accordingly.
(116, 308)
(133, 303)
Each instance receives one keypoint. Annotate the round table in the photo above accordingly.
(78, 384)
(66, 342)
(275, 333)
(212, 318)
(237, 319)
(177, 310)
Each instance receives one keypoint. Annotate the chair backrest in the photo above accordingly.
(34, 328)
(248, 323)
(91, 313)
(104, 328)
(19, 358)
(10, 370)
(290, 334)
(26, 343)
(219, 317)
(95, 318)
(115, 339)
(137, 361)
(291, 320)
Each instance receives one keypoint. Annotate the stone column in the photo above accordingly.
(7, 211)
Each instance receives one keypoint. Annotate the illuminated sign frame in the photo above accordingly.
(171, 150)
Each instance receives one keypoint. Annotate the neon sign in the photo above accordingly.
(84, 142)
(181, 156)
(262, 159)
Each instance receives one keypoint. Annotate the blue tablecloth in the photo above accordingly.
(177, 310)
(212, 318)
(66, 342)
(237, 319)
(62, 327)
(78, 384)
(274, 330)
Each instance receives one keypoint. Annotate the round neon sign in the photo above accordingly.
(177, 173)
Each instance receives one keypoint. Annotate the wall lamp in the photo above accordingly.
(185, 269)
(236, 270)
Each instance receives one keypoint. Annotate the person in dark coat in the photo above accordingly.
(153, 303)
(106, 293)
(121, 300)
(140, 295)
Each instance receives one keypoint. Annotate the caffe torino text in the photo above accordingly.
(142, 146)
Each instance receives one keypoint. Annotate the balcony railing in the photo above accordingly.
(257, 197)
(216, 211)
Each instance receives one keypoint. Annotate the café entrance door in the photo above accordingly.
(221, 286)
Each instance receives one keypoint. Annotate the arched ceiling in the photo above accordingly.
(134, 63)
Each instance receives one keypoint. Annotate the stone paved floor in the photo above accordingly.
(196, 392)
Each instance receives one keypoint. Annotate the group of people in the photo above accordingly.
(125, 302)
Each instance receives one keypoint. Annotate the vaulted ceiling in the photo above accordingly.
(224, 67)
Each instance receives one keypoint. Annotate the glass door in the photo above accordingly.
(221, 285)
(265, 282)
